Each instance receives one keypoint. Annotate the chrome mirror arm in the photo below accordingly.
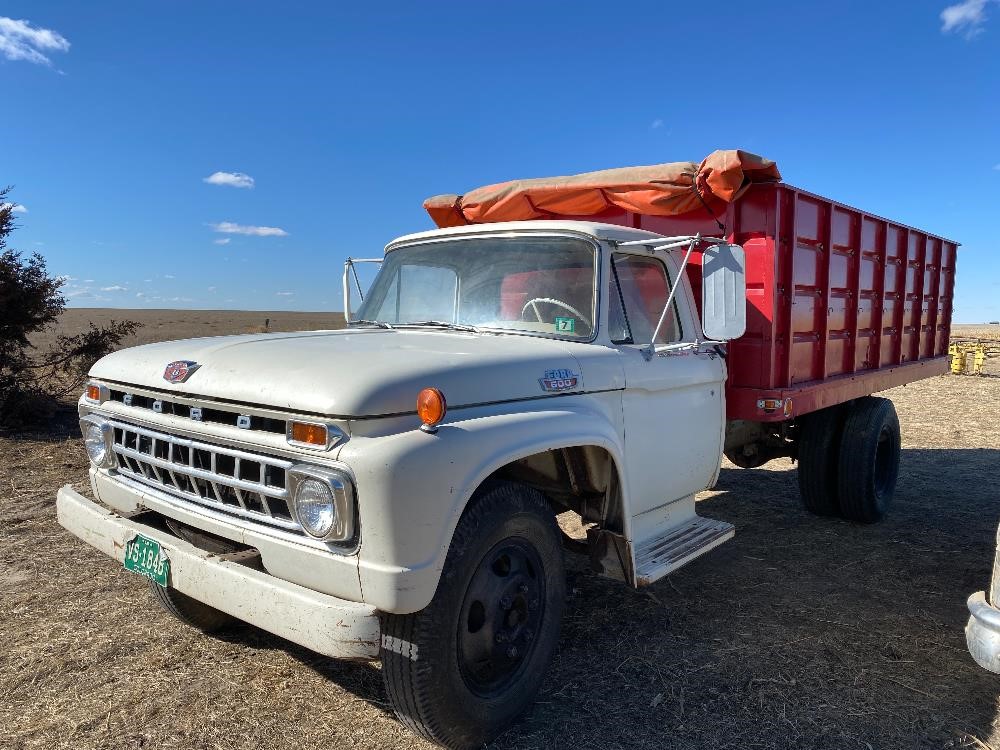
(349, 269)
(691, 243)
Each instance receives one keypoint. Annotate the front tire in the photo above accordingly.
(190, 611)
(467, 666)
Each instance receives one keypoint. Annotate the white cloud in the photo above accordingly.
(284, 294)
(229, 227)
(230, 179)
(212, 288)
(169, 276)
(140, 295)
(222, 241)
(15, 207)
(657, 123)
(967, 17)
(114, 288)
(997, 167)
(20, 41)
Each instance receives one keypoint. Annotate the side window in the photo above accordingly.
(639, 290)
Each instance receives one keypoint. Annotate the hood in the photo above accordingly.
(351, 373)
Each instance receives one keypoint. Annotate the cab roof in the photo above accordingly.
(594, 229)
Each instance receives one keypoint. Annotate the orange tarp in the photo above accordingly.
(657, 190)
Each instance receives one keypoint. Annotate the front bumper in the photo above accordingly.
(328, 625)
(982, 634)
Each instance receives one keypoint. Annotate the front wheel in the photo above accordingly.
(190, 611)
(463, 669)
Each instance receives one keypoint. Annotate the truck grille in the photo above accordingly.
(238, 482)
(228, 417)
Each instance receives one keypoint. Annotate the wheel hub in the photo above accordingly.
(500, 616)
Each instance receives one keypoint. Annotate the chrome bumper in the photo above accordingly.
(982, 634)
(328, 625)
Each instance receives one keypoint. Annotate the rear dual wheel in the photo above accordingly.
(849, 459)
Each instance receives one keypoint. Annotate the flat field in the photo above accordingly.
(801, 632)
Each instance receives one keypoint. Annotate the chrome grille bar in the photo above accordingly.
(256, 488)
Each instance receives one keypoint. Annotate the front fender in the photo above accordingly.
(413, 486)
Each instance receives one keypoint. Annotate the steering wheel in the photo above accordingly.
(533, 304)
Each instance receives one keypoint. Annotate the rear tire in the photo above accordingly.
(190, 611)
(819, 448)
(869, 459)
(467, 666)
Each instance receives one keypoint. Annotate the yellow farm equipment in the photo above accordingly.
(968, 357)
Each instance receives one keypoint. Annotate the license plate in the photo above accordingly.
(144, 556)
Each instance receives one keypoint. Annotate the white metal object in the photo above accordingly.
(663, 554)
(723, 292)
(982, 633)
(328, 625)
(168, 461)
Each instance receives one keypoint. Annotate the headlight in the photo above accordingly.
(323, 502)
(97, 440)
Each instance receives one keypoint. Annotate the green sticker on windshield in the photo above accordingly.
(566, 325)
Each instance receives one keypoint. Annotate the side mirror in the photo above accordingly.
(723, 292)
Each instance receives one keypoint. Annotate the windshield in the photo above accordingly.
(539, 285)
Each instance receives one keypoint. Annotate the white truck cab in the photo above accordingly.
(389, 490)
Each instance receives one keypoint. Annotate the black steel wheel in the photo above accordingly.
(464, 668)
(503, 609)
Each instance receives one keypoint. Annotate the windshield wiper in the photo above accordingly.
(439, 324)
(377, 323)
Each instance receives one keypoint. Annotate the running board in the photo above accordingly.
(664, 554)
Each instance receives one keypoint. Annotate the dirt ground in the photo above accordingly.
(801, 632)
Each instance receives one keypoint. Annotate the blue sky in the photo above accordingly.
(345, 117)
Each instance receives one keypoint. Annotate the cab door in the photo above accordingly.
(673, 403)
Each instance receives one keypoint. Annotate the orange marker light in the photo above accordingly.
(310, 434)
(94, 393)
(431, 407)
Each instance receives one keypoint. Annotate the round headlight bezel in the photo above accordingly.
(339, 487)
(98, 432)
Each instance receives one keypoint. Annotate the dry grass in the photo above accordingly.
(979, 331)
(802, 632)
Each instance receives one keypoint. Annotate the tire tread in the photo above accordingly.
(189, 610)
(862, 427)
(819, 444)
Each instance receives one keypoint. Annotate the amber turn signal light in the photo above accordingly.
(94, 393)
(431, 408)
(308, 433)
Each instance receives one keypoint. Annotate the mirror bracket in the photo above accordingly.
(350, 270)
(723, 278)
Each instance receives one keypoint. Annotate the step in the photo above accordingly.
(666, 553)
